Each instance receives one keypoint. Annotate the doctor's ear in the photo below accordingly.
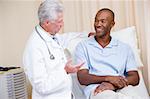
(46, 22)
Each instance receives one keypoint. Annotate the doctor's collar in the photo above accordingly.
(47, 36)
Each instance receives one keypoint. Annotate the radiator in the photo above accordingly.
(12, 83)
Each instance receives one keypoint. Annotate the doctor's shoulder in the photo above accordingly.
(34, 42)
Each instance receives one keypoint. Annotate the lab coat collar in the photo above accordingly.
(46, 36)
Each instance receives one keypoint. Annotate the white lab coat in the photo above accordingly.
(48, 78)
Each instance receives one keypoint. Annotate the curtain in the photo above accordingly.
(79, 16)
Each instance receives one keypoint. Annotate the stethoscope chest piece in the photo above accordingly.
(52, 57)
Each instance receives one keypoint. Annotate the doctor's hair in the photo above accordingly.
(49, 9)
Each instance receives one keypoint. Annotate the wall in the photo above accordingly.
(147, 26)
(17, 19)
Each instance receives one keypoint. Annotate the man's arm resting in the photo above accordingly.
(85, 78)
(132, 78)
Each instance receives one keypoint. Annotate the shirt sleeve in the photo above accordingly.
(130, 63)
(81, 56)
(43, 82)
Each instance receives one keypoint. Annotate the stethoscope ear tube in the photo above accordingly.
(50, 54)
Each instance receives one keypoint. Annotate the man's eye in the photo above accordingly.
(103, 21)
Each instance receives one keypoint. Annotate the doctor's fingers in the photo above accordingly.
(75, 69)
(70, 69)
(79, 65)
(69, 62)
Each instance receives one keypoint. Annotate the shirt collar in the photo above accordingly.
(45, 35)
(112, 43)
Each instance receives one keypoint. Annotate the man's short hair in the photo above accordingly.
(106, 9)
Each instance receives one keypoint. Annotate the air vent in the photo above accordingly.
(12, 83)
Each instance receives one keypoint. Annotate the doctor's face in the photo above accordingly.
(55, 26)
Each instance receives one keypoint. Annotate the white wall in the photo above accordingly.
(17, 19)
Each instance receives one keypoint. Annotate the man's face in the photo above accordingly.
(103, 23)
(55, 26)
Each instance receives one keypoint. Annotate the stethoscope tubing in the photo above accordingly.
(50, 54)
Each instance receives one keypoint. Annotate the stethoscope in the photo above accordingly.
(50, 54)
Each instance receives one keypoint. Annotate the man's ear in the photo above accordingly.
(112, 23)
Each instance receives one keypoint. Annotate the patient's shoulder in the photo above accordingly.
(123, 45)
(86, 41)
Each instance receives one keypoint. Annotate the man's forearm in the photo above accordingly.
(85, 78)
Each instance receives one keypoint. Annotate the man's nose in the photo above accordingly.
(98, 23)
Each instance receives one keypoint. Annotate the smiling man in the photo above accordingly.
(110, 70)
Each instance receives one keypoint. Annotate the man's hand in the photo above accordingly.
(103, 86)
(117, 81)
(72, 68)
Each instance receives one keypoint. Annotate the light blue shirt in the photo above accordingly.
(115, 59)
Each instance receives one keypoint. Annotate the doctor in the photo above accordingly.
(44, 60)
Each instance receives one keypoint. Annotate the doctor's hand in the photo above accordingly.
(72, 68)
(91, 34)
